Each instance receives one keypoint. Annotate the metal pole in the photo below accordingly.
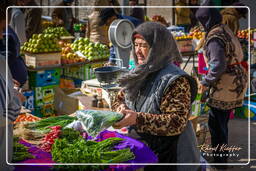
(76, 9)
(48, 8)
(145, 9)
(124, 10)
(173, 12)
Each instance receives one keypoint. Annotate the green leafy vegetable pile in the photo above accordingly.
(44, 124)
(20, 152)
(81, 151)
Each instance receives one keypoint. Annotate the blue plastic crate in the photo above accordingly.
(44, 78)
(29, 103)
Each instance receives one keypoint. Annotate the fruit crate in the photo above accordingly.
(41, 60)
(185, 45)
(44, 78)
(84, 72)
(44, 95)
(44, 111)
(29, 103)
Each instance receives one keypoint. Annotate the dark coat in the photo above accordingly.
(33, 23)
(63, 17)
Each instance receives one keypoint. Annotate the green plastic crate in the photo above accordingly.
(44, 95)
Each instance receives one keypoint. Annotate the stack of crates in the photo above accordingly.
(42, 83)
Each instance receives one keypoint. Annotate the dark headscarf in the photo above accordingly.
(208, 17)
(163, 50)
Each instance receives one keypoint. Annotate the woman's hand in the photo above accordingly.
(130, 118)
(121, 108)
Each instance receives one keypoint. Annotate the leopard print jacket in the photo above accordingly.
(175, 108)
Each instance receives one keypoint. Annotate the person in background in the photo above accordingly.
(17, 22)
(156, 99)
(231, 16)
(64, 16)
(193, 19)
(226, 80)
(33, 19)
(15, 61)
(95, 32)
(108, 15)
(182, 15)
(136, 12)
(13, 103)
(160, 19)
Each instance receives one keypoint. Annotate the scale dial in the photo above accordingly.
(120, 32)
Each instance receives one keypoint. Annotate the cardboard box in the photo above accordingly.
(68, 101)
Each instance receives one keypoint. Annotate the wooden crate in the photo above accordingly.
(185, 45)
(41, 60)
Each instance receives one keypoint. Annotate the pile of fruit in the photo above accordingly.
(57, 32)
(244, 34)
(197, 34)
(46, 24)
(184, 37)
(68, 56)
(40, 43)
(92, 51)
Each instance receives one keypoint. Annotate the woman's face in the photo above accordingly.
(141, 50)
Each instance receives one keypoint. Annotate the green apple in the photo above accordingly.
(40, 36)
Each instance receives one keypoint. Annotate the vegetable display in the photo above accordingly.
(49, 138)
(95, 121)
(44, 124)
(82, 151)
(20, 152)
(26, 118)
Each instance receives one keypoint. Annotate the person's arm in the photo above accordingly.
(217, 61)
(13, 103)
(175, 108)
(20, 27)
(119, 102)
(11, 51)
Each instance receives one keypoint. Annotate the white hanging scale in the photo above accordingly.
(119, 33)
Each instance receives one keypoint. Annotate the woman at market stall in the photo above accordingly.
(226, 80)
(156, 99)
